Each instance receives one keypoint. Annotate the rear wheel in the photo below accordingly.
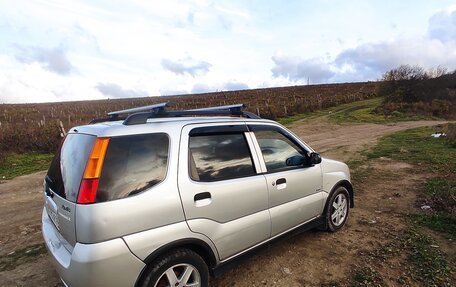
(179, 268)
(336, 213)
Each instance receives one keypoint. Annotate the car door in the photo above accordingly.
(224, 194)
(294, 186)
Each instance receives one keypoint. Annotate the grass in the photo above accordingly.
(437, 156)
(441, 222)
(20, 164)
(18, 257)
(366, 276)
(431, 265)
(329, 111)
(356, 112)
(365, 112)
(418, 147)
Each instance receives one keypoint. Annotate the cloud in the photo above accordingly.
(442, 25)
(116, 91)
(199, 88)
(186, 66)
(234, 85)
(296, 69)
(172, 92)
(368, 61)
(54, 60)
(33, 83)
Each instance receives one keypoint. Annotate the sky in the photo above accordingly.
(80, 50)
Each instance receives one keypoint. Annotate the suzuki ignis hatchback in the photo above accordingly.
(166, 198)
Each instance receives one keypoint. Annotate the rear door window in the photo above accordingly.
(215, 157)
(66, 170)
(133, 164)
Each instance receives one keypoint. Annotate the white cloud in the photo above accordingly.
(296, 69)
(23, 82)
(54, 59)
(226, 86)
(442, 25)
(368, 61)
(186, 66)
(64, 50)
(115, 91)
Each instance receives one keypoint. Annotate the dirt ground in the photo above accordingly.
(310, 259)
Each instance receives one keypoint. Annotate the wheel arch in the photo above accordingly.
(344, 183)
(198, 246)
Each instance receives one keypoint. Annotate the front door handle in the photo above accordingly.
(202, 199)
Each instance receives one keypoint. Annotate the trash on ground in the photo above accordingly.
(438, 135)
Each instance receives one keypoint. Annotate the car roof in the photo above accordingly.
(116, 128)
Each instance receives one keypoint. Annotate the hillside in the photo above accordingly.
(38, 122)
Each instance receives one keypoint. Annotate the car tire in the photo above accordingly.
(177, 268)
(337, 210)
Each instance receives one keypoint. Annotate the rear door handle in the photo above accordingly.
(202, 199)
(281, 183)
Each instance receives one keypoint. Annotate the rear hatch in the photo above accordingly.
(63, 181)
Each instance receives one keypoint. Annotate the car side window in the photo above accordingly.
(215, 157)
(278, 150)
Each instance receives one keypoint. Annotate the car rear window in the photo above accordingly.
(133, 164)
(66, 170)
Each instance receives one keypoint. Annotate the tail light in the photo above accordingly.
(89, 184)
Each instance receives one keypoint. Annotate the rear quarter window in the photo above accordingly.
(66, 170)
(133, 164)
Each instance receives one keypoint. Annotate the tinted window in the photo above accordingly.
(276, 148)
(219, 157)
(66, 170)
(133, 164)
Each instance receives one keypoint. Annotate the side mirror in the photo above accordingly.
(315, 158)
(296, 160)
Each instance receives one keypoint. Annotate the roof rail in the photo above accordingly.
(160, 106)
(115, 116)
(141, 114)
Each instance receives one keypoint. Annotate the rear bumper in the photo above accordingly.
(109, 263)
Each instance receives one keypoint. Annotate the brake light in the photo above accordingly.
(89, 184)
(88, 191)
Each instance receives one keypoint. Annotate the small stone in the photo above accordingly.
(286, 271)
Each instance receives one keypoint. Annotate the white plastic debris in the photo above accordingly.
(425, 207)
(438, 135)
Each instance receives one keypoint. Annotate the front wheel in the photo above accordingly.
(180, 268)
(336, 213)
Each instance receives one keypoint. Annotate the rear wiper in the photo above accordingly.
(48, 179)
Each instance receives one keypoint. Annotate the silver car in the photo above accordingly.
(157, 197)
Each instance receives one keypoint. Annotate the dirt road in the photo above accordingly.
(310, 259)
